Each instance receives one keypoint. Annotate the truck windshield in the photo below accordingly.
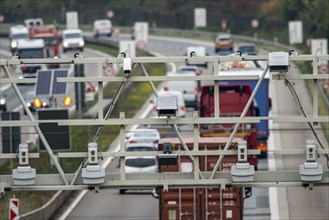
(49, 40)
(31, 53)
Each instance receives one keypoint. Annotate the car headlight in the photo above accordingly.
(65, 44)
(28, 104)
(13, 44)
(2, 101)
(44, 104)
(81, 43)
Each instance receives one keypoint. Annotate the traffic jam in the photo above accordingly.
(34, 39)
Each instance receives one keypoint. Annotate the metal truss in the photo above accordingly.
(64, 181)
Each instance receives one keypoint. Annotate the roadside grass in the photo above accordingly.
(132, 98)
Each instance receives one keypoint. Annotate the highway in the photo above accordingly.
(273, 203)
(281, 203)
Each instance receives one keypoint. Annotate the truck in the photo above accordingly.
(233, 99)
(201, 203)
(16, 33)
(49, 34)
(262, 100)
(30, 49)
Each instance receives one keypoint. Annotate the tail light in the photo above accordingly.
(132, 142)
(24, 68)
(97, 30)
(166, 89)
(154, 108)
(195, 91)
(182, 108)
(197, 73)
(156, 141)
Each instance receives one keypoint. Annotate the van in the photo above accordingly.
(72, 39)
(188, 88)
(18, 32)
(30, 49)
(102, 28)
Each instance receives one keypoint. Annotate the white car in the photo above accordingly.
(147, 164)
(102, 28)
(188, 88)
(142, 135)
(140, 164)
(189, 69)
(72, 39)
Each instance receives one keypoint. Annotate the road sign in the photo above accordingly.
(90, 92)
(319, 47)
(141, 32)
(323, 69)
(295, 32)
(57, 136)
(110, 14)
(254, 23)
(72, 21)
(128, 47)
(200, 17)
(14, 209)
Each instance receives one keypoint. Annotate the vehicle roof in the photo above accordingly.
(19, 29)
(170, 92)
(71, 31)
(152, 145)
(102, 21)
(30, 43)
(44, 28)
(201, 140)
(144, 129)
(220, 36)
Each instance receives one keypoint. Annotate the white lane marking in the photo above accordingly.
(274, 142)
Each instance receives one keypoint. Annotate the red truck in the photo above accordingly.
(50, 36)
(233, 99)
(201, 203)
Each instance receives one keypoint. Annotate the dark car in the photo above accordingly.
(248, 49)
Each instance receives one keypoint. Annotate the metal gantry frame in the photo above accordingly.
(74, 181)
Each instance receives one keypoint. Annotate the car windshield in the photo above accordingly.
(146, 134)
(31, 53)
(73, 35)
(20, 36)
(140, 148)
(140, 162)
(186, 69)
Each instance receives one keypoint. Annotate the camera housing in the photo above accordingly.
(278, 61)
(127, 65)
(167, 106)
